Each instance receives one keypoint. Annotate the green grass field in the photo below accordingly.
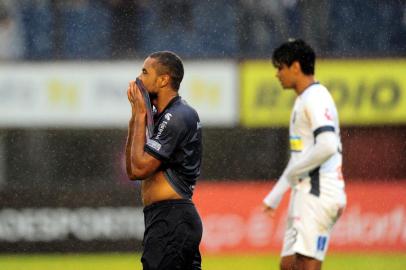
(371, 261)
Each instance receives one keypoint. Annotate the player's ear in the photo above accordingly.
(296, 67)
(165, 79)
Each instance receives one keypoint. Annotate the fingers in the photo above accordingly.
(129, 94)
(269, 211)
(133, 88)
(132, 92)
(136, 99)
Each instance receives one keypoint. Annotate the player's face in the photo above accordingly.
(286, 76)
(149, 76)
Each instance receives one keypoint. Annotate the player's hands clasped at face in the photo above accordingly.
(136, 100)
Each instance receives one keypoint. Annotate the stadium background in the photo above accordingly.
(64, 70)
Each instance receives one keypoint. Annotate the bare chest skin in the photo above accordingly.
(156, 188)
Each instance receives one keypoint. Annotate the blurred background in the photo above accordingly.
(64, 70)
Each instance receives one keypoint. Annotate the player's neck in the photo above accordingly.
(164, 98)
(303, 83)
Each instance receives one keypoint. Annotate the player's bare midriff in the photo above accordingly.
(156, 188)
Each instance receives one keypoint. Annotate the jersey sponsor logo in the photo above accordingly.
(154, 144)
(163, 125)
(296, 143)
(161, 128)
(168, 116)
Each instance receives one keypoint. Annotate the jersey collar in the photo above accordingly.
(310, 85)
(171, 102)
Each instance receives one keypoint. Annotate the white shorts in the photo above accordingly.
(310, 220)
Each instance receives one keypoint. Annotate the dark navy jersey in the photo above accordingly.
(177, 143)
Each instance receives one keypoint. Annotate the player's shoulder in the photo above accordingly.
(182, 108)
(183, 113)
(316, 93)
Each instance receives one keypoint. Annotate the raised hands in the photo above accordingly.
(136, 99)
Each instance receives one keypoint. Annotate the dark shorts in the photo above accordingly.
(173, 230)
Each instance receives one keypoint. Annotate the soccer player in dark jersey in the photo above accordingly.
(168, 163)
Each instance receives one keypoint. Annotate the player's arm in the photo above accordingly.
(274, 197)
(139, 164)
(325, 146)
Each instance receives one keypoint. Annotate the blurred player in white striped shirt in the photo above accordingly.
(314, 169)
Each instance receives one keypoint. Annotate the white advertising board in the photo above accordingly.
(93, 94)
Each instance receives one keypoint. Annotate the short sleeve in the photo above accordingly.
(166, 137)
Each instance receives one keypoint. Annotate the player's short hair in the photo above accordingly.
(295, 50)
(171, 64)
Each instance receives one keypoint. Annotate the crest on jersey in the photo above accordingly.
(328, 115)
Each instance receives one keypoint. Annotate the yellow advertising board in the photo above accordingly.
(367, 92)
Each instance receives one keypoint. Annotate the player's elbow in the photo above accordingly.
(330, 151)
(142, 169)
(329, 147)
(135, 172)
(137, 169)
(138, 174)
(131, 174)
